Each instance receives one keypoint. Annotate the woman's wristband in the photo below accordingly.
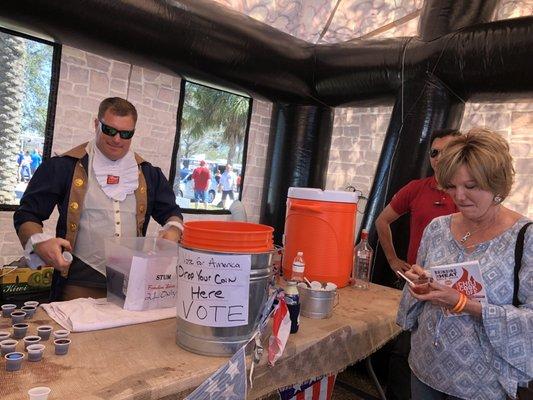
(461, 303)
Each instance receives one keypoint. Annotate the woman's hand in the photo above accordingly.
(440, 295)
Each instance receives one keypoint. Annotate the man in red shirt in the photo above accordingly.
(201, 177)
(424, 201)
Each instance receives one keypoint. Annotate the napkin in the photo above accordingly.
(88, 314)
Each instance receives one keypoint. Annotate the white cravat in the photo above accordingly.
(125, 169)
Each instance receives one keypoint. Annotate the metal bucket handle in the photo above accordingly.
(337, 299)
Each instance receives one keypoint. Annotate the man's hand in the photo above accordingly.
(51, 253)
(172, 233)
(399, 265)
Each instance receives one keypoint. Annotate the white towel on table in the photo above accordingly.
(88, 314)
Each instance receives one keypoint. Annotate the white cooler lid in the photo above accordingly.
(336, 196)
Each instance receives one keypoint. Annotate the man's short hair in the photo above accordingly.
(117, 106)
(440, 133)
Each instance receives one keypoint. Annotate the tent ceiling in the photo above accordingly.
(334, 21)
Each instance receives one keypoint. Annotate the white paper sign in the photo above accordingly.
(464, 277)
(151, 284)
(213, 288)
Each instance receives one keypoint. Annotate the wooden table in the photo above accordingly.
(143, 362)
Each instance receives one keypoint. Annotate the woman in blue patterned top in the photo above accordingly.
(487, 350)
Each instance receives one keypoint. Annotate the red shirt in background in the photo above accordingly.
(201, 176)
(424, 201)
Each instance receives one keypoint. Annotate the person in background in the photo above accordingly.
(20, 157)
(423, 200)
(36, 160)
(103, 191)
(25, 167)
(227, 183)
(483, 349)
(201, 177)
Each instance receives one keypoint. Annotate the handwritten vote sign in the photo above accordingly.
(213, 288)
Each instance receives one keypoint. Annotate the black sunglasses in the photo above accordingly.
(434, 153)
(110, 131)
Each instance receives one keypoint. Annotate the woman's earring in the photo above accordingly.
(497, 199)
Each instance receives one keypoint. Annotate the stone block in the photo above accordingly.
(90, 104)
(498, 121)
(78, 74)
(73, 60)
(521, 122)
(120, 70)
(99, 83)
(119, 86)
(136, 74)
(369, 124)
(158, 105)
(98, 63)
(64, 86)
(68, 100)
(80, 90)
(149, 75)
(150, 90)
(166, 95)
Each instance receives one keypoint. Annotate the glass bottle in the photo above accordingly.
(363, 262)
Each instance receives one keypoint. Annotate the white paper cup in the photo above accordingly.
(31, 303)
(35, 352)
(61, 346)
(4, 335)
(39, 393)
(61, 333)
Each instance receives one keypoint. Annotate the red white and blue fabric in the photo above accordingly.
(281, 329)
(320, 389)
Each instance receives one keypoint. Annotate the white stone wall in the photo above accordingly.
(514, 121)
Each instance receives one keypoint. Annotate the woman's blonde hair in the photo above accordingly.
(486, 156)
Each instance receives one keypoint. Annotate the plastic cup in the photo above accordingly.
(35, 352)
(61, 333)
(44, 331)
(67, 256)
(17, 316)
(29, 310)
(31, 303)
(61, 346)
(421, 286)
(4, 335)
(7, 309)
(32, 339)
(14, 360)
(8, 346)
(39, 393)
(20, 330)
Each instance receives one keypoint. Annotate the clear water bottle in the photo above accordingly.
(363, 262)
(298, 267)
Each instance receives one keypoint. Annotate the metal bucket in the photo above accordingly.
(317, 304)
(223, 341)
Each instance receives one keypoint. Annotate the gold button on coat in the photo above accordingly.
(141, 209)
(74, 205)
(78, 182)
(73, 226)
(142, 189)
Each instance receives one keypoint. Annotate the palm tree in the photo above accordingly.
(12, 59)
(212, 110)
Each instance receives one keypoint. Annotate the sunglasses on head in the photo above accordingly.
(434, 153)
(110, 131)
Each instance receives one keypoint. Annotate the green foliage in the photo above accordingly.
(213, 123)
(37, 74)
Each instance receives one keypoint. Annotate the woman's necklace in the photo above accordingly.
(465, 237)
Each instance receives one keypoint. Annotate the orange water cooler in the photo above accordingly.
(321, 223)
